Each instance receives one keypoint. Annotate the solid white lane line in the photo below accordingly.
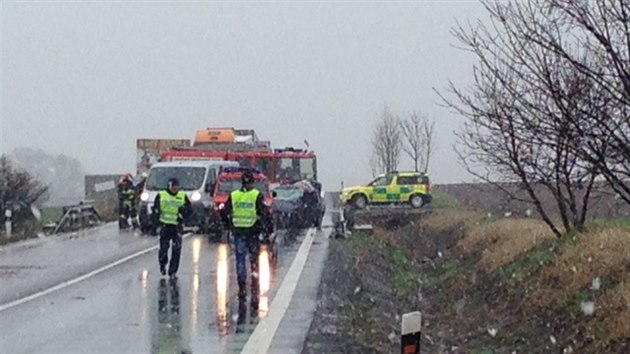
(81, 278)
(260, 340)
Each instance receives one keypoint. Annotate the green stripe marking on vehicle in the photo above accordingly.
(395, 196)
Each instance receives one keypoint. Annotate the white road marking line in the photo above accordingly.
(78, 279)
(260, 340)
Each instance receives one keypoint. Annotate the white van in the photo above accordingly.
(196, 178)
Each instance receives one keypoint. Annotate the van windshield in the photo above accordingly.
(190, 178)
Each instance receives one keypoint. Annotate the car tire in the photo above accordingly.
(416, 201)
(359, 201)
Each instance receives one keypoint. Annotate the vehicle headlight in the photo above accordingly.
(144, 196)
(195, 197)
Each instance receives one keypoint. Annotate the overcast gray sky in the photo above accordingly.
(87, 79)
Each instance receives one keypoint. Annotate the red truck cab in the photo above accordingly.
(229, 179)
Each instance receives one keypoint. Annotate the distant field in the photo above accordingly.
(489, 198)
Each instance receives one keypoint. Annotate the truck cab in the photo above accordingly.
(229, 179)
(196, 178)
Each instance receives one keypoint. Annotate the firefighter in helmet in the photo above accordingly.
(126, 202)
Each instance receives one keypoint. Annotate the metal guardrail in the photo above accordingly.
(347, 218)
(76, 217)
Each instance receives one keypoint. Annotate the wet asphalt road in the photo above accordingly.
(130, 307)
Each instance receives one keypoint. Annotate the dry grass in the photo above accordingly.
(450, 219)
(504, 240)
(596, 254)
(613, 310)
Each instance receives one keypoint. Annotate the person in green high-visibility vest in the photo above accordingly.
(244, 212)
(171, 207)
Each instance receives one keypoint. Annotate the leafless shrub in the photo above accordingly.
(386, 142)
(538, 86)
(419, 144)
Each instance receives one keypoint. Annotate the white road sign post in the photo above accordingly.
(8, 215)
(410, 333)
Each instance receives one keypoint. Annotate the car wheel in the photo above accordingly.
(416, 201)
(359, 201)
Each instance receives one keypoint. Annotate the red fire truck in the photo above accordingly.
(279, 165)
(243, 146)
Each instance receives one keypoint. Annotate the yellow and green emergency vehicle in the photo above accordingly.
(411, 188)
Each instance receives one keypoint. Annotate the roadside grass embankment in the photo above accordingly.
(484, 285)
(509, 285)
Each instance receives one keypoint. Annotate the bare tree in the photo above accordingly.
(386, 142)
(374, 164)
(593, 38)
(62, 174)
(419, 144)
(527, 112)
(429, 143)
(18, 192)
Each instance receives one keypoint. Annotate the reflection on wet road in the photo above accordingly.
(265, 281)
(168, 337)
(132, 308)
(222, 288)
(196, 253)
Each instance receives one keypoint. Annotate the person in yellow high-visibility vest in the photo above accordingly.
(243, 213)
(171, 207)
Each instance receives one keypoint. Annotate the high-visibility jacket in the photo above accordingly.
(244, 213)
(170, 206)
(126, 193)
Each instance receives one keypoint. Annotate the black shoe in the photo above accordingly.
(254, 318)
(163, 270)
(240, 327)
(241, 319)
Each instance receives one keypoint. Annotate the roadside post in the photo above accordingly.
(340, 230)
(410, 333)
(8, 215)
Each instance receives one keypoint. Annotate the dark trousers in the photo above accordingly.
(126, 210)
(246, 242)
(170, 233)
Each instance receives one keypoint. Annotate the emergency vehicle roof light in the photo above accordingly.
(289, 149)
